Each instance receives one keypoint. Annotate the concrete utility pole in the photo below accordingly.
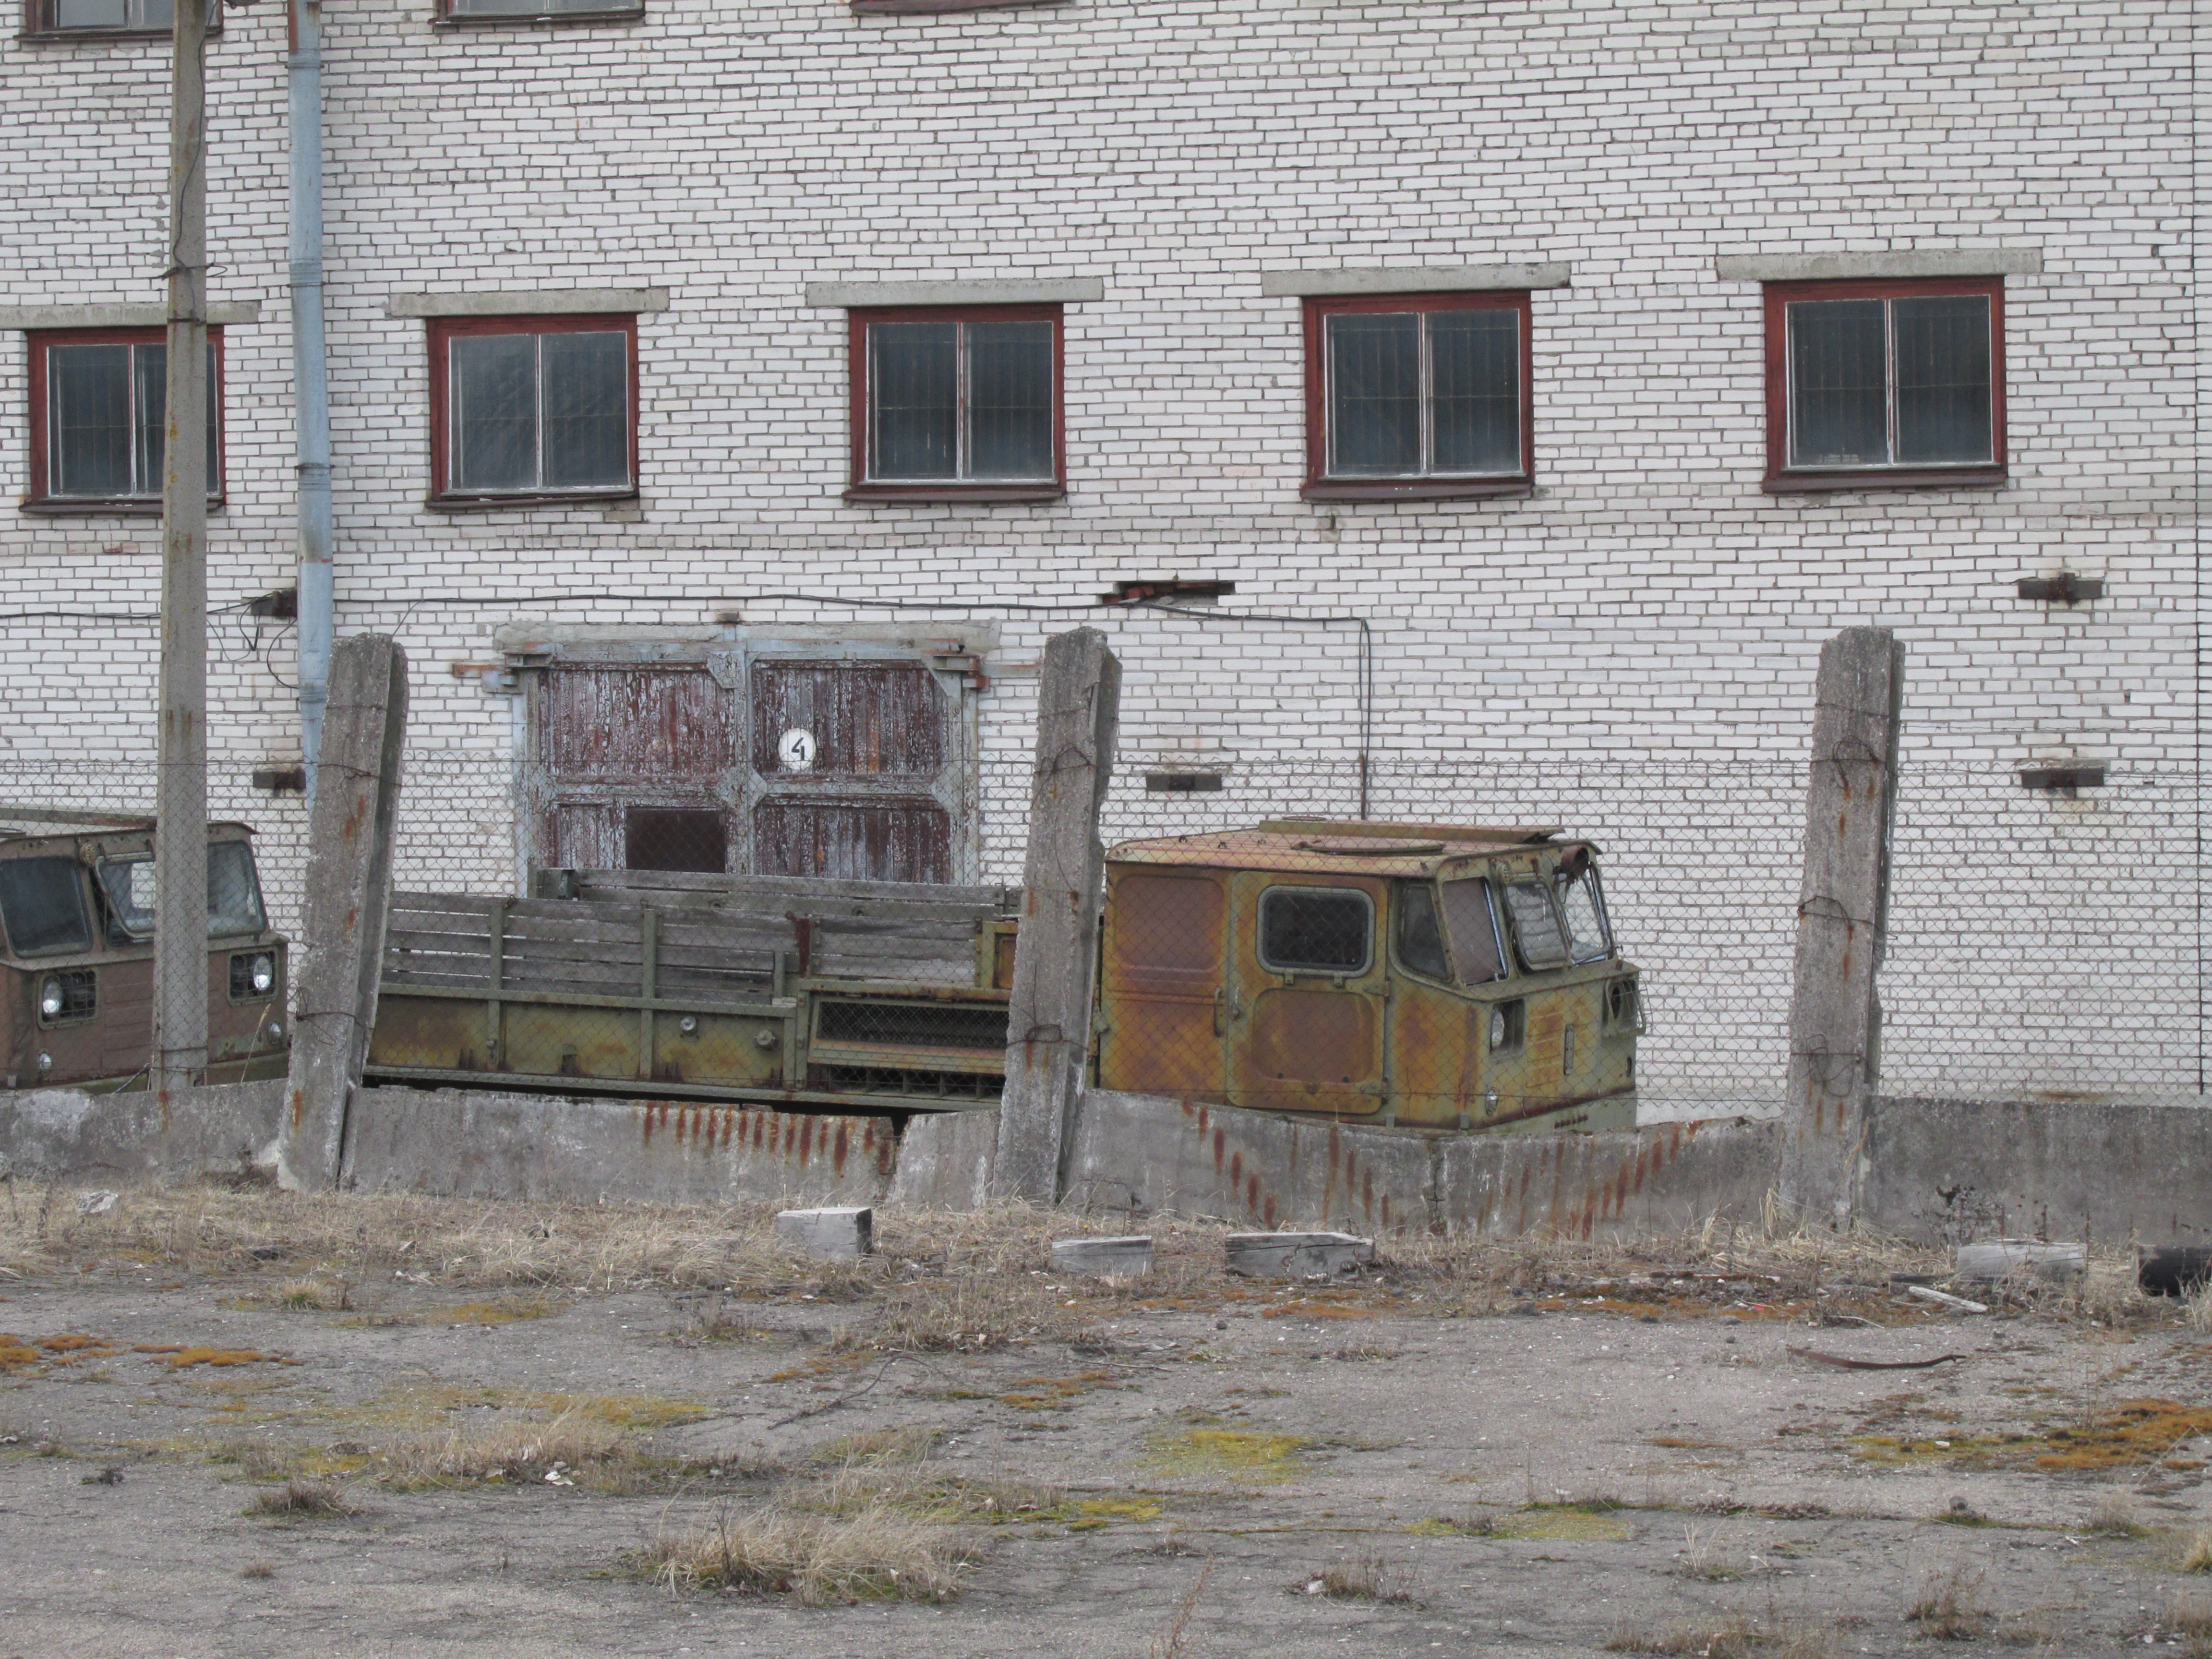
(1835, 1016)
(180, 874)
(1048, 1011)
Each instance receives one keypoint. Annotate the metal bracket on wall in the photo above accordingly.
(2064, 588)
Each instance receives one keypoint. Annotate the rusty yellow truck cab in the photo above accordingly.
(1442, 977)
(76, 954)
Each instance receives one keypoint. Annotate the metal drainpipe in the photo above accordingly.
(310, 375)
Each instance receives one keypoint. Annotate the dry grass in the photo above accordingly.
(878, 1552)
(1950, 1607)
(2116, 1516)
(1370, 1576)
(1172, 1639)
(2197, 1553)
(2190, 1617)
(575, 1441)
(303, 1500)
(1709, 1554)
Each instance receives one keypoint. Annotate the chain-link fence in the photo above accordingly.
(2040, 945)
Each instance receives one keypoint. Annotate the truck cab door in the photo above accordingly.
(1163, 996)
(1307, 983)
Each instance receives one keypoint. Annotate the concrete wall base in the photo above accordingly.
(482, 1145)
(64, 1134)
(1937, 1170)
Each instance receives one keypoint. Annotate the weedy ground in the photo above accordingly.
(512, 1428)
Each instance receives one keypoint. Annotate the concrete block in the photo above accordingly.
(1997, 1257)
(838, 1235)
(1295, 1256)
(944, 1161)
(1103, 1258)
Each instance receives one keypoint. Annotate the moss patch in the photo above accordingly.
(1226, 1451)
(1569, 1522)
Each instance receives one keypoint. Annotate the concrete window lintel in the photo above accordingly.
(120, 314)
(1411, 279)
(530, 302)
(983, 291)
(1844, 267)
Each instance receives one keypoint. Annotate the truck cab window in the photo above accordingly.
(1420, 939)
(42, 906)
(1473, 922)
(1588, 938)
(1316, 930)
(233, 894)
(1537, 928)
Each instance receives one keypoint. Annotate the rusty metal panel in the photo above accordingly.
(1162, 991)
(877, 840)
(1310, 1049)
(864, 718)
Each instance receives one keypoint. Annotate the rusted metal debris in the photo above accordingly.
(1849, 1364)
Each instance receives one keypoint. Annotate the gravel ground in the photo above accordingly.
(1236, 1469)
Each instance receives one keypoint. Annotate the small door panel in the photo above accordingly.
(879, 839)
(1306, 1038)
(1166, 948)
(862, 719)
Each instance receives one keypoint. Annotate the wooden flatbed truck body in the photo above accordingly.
(1453, 978)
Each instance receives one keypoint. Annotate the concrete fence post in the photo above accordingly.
(1835, 1016)
(1049, 1021)
(349, 895)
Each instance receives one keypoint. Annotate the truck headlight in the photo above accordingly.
(261, 974)
(1497, 1028)
(50, 998)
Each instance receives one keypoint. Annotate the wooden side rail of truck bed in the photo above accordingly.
(774, 990)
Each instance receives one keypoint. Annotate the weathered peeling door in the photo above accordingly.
(766, 757)
(846, 760)
(636, 755)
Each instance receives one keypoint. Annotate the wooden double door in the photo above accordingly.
(853, 762)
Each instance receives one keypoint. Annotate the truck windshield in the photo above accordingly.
(1589, 938)
(42, 904)
(1420, 940)
(234, 894)
(1537, 928)
(1472, 922)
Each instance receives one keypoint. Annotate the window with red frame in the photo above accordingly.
(1422, 394)
(100, 401)
(533, 408)
(964, 402)
(110, 17)
(1890, 383)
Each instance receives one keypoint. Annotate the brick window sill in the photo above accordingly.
(924, 494)
(540, 19)
(99, 37)
(504, 503)
(53, 509)
(1826, 483)
(1437, 490)
(925, 7)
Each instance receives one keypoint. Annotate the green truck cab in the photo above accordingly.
(1437, 975)
(76, 954)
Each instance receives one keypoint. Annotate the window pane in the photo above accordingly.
(494, 404)
(233, 893)
(1323, 931)
(586, 409)
(1536, 926)
(1943, 379)
(1838, 409)
(128, 885)
(1010, 400)
(42, 905)
(93, 14)
(914, 383)
(537, 8)
(1474, 926)
(150, 410)
(1374, 394)
(1474, 374)
(88, 422)
(1420, 940)
(1587, 933)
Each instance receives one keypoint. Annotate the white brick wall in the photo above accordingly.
(1649, 598)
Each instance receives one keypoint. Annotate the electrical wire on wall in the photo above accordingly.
(1363, 672)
